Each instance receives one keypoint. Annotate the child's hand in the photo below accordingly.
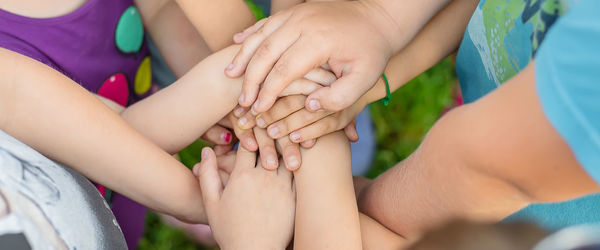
(256, 208)
(289, 117)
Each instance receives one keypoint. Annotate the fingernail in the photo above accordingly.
(242, 98)
(205, 152)
(254, 107)
(293, 161)
(271, 162)
(260, 122)
(242, 121)
(237, 36)
(273, 131)
(309, 142)
(238, 111)
(314, 105)
(295, 137)
(195, 169)
(250, 143)
(229, 67)
(226, 137)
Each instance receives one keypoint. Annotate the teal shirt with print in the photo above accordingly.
(501, 39)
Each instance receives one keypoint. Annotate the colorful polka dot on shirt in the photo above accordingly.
(129, 34)
(143, 77)
(116, 89)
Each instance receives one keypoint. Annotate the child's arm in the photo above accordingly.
(326, 211)
(439, 37)
(176, 38)
(218, 21)
(177, 115)
(63, 121)
(277, 5)
(481, 161)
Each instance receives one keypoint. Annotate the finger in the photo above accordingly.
(224, 177)
(341, 94)
(266, 60)
(247, 121)
(253, 41)
(321, 76)
(308, 143)
(239, 111)
(247, 51)
(350, 131)
(293, 64)
(300, 87)
(290, 152)
(321, 127)
(281, 109)
(241, 37)
(210, 182)
(226, 162)
(247, 139)
(244, 159)
(246, 136)
(223, 149)
(295, 121)
(218, 135)
(266, 147)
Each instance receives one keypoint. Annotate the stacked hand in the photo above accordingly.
(288, 124)
(251, 196)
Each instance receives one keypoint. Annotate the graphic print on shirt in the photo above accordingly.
(513, 31)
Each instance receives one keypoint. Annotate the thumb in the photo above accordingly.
(341, 94)
(210, 181)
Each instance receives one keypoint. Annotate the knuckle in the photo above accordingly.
(327, 126)
(337, 101)
(281, 68)
(265, 49)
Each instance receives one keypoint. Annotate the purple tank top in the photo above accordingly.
(100, 46)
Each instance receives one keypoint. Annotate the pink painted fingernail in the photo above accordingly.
(314, 105)
(226, 137)
(242, 98)
(295, 137)
(309, 142)
(229, 67)
(273, 131)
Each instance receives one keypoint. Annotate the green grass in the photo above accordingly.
(400, 126)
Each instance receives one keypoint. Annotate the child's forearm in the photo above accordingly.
(63, 121)
(218, 21)
(176, 38)
(177, 115)
(278, 5)
(440, 37)
(326, 210)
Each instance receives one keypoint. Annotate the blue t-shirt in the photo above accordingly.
(502, 38)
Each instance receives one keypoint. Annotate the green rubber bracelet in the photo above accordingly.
(388, 94)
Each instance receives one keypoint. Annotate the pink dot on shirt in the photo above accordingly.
(116, 89)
